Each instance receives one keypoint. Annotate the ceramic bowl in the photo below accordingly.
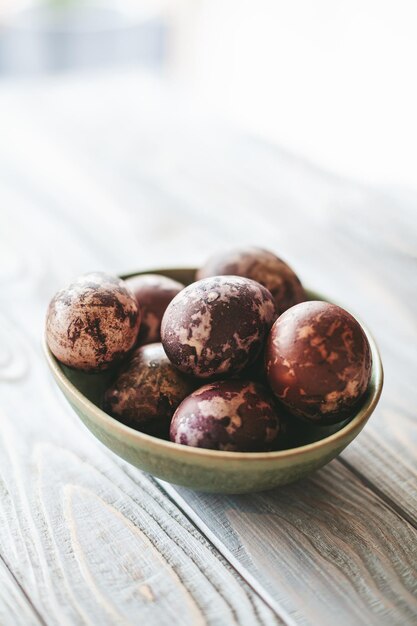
(212, 470)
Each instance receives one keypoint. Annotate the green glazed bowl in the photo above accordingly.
(212, 470)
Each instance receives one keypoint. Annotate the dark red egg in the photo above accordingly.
(233, 415)
(217, 326)
(147, 391)
(264, 267)
(318, 361)
(93, 323)
(153, 293)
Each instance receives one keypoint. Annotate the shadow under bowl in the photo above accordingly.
(212, 470)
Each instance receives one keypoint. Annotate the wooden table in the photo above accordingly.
(121, 173)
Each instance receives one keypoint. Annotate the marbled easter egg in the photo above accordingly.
(93, 323)
(233, 415)
(217, 325)
(147, 390)
(153, 293)
(318, 361)
(264, 267)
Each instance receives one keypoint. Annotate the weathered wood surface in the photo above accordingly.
(323, 550)
(112, 175)
(87, 543)
(15, 607)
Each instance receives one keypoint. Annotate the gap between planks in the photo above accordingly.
(382, 495)
(218, 544)
(257, 586)
(36, 617)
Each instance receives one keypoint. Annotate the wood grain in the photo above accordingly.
(15, 607)
(142, 181)
(322, 548)
(88, 545)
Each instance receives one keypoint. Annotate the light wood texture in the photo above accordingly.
(15, 608)
(88, 545)
(321, 548)
(116, 174)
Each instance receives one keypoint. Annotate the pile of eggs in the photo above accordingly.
(230, 362)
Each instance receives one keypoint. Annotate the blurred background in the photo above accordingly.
(333, 82)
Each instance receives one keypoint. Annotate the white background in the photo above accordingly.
(331, 80)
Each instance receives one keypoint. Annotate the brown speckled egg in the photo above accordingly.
(264, 267)
(93, 323)
(153, 294)
(217, 326)
(147, 391)
(318, 361)
(238, 416)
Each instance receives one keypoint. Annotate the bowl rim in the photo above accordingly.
(109, 422)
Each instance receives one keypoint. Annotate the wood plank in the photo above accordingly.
(15, 607)
(87, 544)
(326, 549)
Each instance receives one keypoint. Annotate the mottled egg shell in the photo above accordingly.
(233, 415)
(93, 323)
(153, 293)
(147, 391)
(264, 267)
(318, 361)
(217, 326)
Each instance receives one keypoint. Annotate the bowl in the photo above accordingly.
(212, 470)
